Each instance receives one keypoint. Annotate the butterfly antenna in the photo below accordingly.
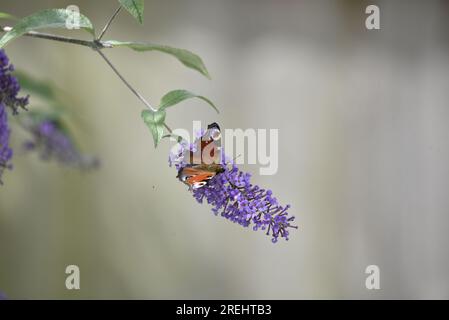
(236, 157)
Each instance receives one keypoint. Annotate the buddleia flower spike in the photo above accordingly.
(52, 141)
(235, 198)
(5, 149)
(9, 89)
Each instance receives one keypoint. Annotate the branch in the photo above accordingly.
(96, 45)
(109, 23)
(138, 95)
(54, 37)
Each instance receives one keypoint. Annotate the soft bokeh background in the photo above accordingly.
(363, 155)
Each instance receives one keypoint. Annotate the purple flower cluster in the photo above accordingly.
(52, 142)
(9, 89)
(234, 197)
(9, 86)
(5, 150)
(177, 156)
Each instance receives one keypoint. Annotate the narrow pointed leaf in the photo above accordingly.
(134, 7)
(187, 58)
(39, 87)
(176, 96)
(155, 122)
(4, 15)
(49, 18)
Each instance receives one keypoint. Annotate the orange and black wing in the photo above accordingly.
(195, 177)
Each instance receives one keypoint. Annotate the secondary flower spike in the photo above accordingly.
(230, 191)
(5, 149)
(9, 89)
(9, 86)
(52, 142)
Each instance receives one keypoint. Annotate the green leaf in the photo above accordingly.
(4, 15)
(174, 136)
(134, 7)
(34, 86)
(38, 116)
(176, 96)
(155, 122)
(49, 18)
(187, 58)
(54, 100)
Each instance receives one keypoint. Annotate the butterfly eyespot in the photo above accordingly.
(200, 184)
(215, 134)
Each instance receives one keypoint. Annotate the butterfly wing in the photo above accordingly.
(199, 180)
(204, 163)
(198, 176)
(207, 146)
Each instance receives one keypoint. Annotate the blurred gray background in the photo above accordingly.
(363, 156)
